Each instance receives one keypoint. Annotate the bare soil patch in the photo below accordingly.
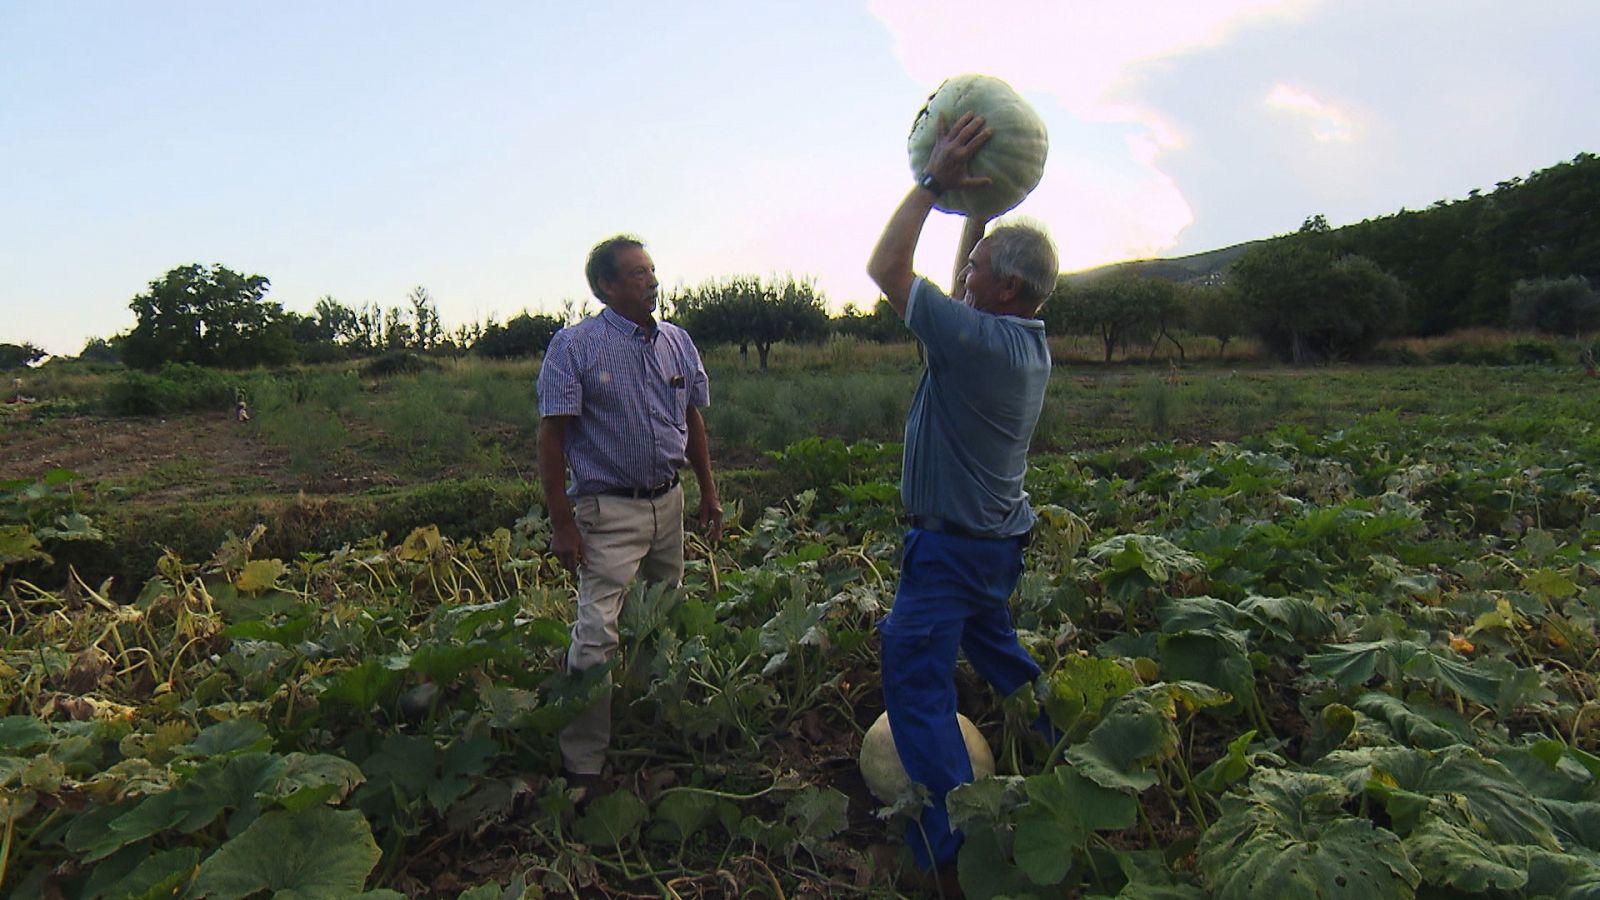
(162, 460)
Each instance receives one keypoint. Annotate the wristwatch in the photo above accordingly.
(930, 183)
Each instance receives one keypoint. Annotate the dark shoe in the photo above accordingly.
(583, 789)
(941, 883)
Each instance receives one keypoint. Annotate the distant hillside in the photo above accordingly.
(1458, 259)
(1199, 267)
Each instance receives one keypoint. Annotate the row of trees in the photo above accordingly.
(214, 316)
(1302, 301)
(1461, 260)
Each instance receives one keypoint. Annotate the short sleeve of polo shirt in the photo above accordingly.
(952, 332)
(560, 385)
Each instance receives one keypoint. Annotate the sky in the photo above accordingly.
(362, 148)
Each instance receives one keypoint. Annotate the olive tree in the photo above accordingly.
(524, 335)
(209, 316)
(745, 310)
(1555, 305)
(1307, 305)
(1215, 311)
(1120, 309)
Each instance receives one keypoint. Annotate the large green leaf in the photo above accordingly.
(986, 871)
(985, 802)
(1474, 681)
(1289, 618)
(18, 545)
(361, 685)
(1414, 725)
(1289, 837)
(1063, 808)
(1137, 562)
(157, 875)
(1079, 689)
(226, 738)
(1216, 657)
(611, 819)
(1451, 856)
(680, 814)
(310, 853)
(131, 823)
(1121, 751)
(460, 765)
(309, 779)
(1195, 614)
(21, 733)
(1456, 782)
(817, 814)
(1352, 665)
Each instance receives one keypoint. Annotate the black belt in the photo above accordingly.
(648, 493)
(945, 526)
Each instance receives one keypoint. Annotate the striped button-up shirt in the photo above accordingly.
(629, 390)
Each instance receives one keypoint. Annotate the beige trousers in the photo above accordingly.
(622, 538)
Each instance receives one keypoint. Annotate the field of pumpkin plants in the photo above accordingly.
(1359, 662)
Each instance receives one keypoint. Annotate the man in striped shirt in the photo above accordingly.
(620, 396)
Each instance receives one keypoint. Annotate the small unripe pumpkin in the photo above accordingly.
(880, 761)
(1013, 157)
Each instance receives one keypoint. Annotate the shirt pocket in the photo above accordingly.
(678, 400)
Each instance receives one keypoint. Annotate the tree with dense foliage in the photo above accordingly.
(881, 326)
(1121, 309)
(745, 310)
(1555, 305)
(336, 323)
(1460, 259)
(1215, 311)
(209, 316)
(523, 336)
(1307, 305)
(101, 350)
(19, 356)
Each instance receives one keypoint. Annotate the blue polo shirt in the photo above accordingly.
(973, 415)
(630, 389)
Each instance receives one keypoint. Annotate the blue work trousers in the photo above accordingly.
(954, 593)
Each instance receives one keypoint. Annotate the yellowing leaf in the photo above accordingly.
(259, 574)
(421, 545)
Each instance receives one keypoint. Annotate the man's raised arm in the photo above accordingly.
(891, 262)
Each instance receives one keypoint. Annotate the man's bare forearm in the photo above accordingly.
(891, 262)
(699, 451)
(553, 469)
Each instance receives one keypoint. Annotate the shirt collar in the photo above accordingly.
(618, 321)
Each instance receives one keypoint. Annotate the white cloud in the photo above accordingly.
(1088, 58)
(1328, 123)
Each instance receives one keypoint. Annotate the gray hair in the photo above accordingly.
(1022, 248)
(602, 264)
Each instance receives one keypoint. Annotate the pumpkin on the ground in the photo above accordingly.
(1013, 157)
(880, 761)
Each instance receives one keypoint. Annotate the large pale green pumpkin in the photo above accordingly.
(880, 761)
(1013, 157)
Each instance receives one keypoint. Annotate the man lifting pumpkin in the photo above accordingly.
(966, 446)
